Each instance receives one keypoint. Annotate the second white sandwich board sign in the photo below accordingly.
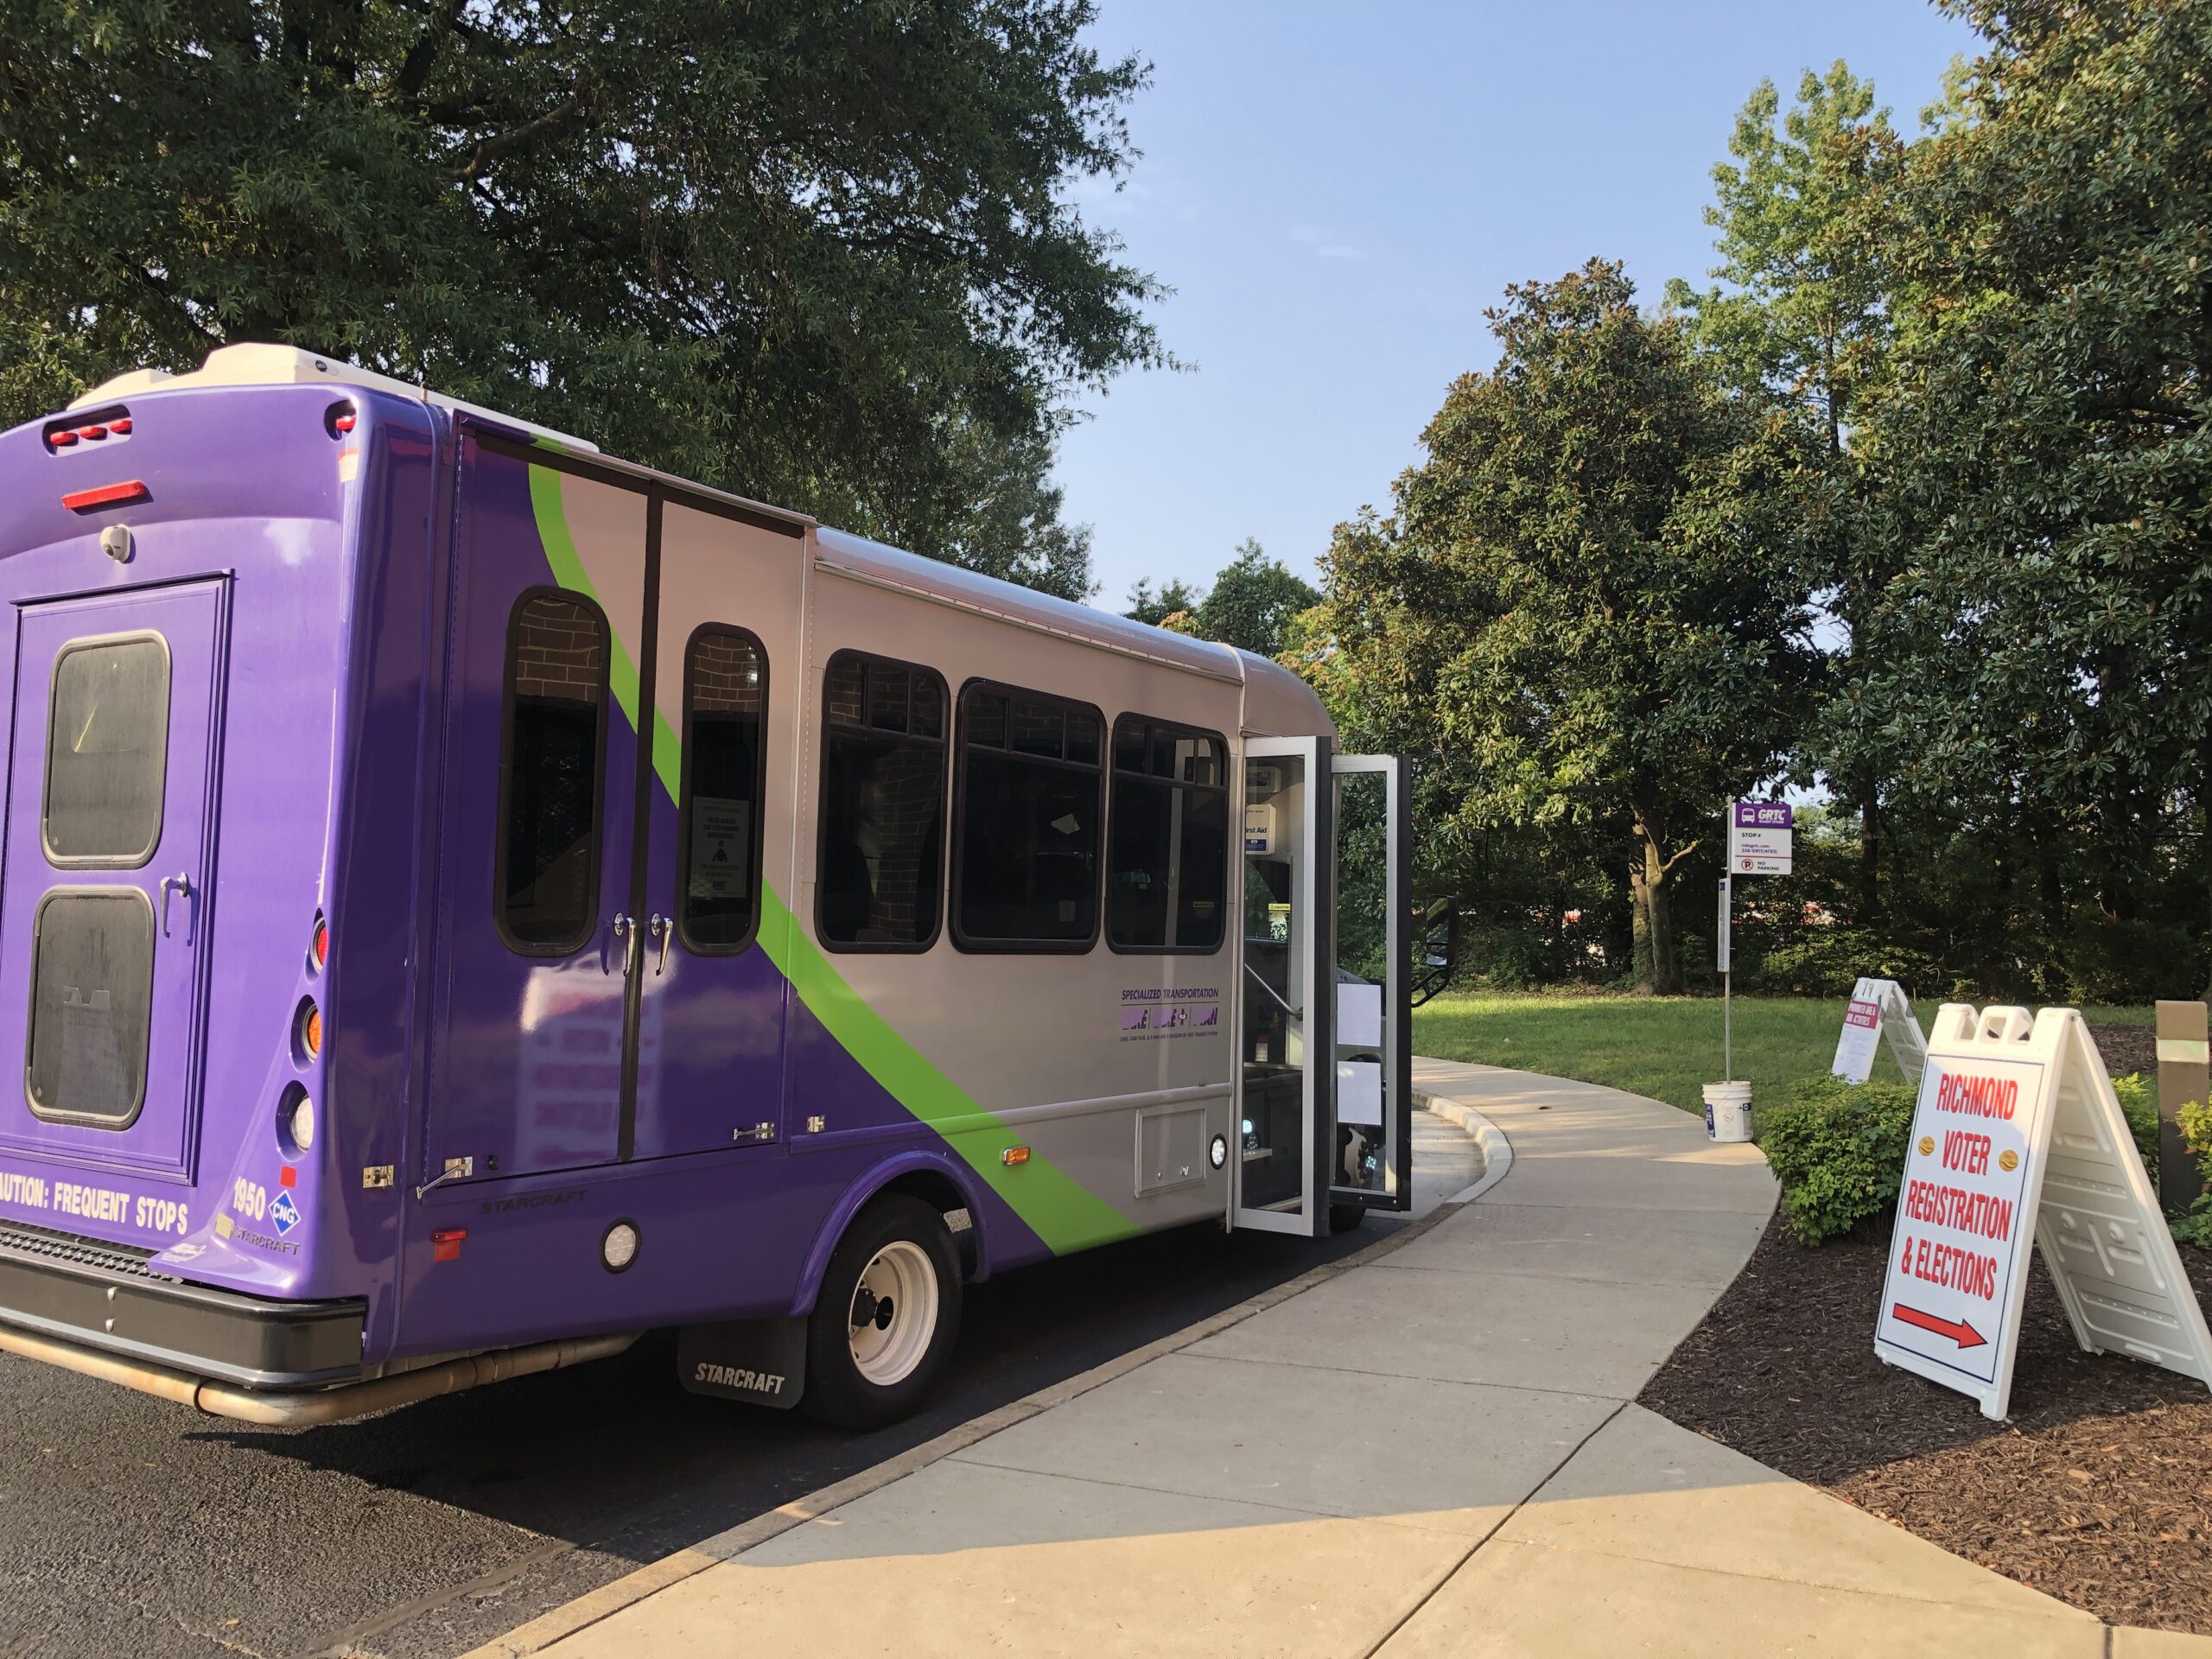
(1880, 1009)
(2019, 1139)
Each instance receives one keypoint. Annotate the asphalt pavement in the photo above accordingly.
(130, 1526)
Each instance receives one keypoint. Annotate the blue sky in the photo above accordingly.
(1337, 193)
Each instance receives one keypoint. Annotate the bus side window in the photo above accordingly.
(1167, 861)
(882, 832)
(1030, 798)
(549, 767)
(725, 760)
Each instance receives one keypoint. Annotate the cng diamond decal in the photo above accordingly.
(285, 1213)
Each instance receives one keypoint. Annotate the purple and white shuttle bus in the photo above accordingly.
(466, 901)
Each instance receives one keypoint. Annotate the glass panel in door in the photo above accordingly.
(1282, 1024)
(1371, 1153)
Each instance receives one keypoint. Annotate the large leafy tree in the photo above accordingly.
(1590, 603)
(1253, 603)
(1803, 310)
(817, 251)
(2044, 453)
(1252, 600)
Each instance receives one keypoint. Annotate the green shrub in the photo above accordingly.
(1839, 1151)
(2195, 1228)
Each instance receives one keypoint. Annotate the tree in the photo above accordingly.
(1174, 598)
(2043, 452)
(1805, 313)
(821, 253)
(1252, 604)
(1252, 601)
(1591, 601)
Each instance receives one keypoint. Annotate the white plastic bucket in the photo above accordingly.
(1728, 1112)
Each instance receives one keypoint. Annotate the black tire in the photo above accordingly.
(836, 1390)
(1346, 1217)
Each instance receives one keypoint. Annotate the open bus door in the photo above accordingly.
(1323, 1086)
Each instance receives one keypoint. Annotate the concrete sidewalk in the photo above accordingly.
(1430, 1452)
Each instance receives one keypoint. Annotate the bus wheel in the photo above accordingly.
(887, 1317)
(1344, 1218)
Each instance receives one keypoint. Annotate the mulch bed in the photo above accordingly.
(2097, 1492)
(2128, 1048)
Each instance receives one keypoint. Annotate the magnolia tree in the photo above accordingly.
(1589, 607)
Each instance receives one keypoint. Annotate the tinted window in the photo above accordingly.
(1168, 871)
(725, 704)
(1029, 810)
(107, 751)
(556, 699)
(92, 986)
(882, 804)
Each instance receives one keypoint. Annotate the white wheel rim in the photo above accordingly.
(893, 1313)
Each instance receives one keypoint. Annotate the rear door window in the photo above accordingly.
(107, 751)
(91, 996)
(556, 711)
(725, 702)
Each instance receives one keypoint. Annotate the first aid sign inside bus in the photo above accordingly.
(1759, 834)
(1959, 1246)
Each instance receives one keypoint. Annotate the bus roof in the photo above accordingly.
(1276, 700)
(289, 365)
(840, 553)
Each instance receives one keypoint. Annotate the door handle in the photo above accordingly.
(662, 927)
(626, 928)
(181, 885)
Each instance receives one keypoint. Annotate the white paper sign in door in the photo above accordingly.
(2019, 1139)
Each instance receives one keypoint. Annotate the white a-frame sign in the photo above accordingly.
(2017, 1137)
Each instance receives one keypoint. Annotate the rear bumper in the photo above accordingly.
(96, 1297)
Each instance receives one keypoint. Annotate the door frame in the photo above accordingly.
(1317, 895)
(1397, 987)
(218, 585)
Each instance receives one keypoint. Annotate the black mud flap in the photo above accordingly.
(760, 1360)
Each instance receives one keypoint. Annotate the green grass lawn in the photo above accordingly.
(1668, 1047)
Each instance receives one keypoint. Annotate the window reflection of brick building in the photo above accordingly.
(725, 676)
(557, 672)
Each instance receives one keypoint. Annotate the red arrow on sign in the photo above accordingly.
(1957, 1330)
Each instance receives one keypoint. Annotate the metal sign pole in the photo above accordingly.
(1727, 1000)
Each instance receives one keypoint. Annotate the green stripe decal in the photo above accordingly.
(1059, 1209)
(1066, 1215)
(568, 570)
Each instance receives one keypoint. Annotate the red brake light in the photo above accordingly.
(120, 426)
(108, 495)
(95, 433)
(344, 422)
(322, 944)
(62, 440)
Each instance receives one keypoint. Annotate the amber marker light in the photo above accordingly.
(310, 1029)
(1014, 1156)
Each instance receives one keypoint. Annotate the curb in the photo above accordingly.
(1497, 1151)
(572, 1617)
